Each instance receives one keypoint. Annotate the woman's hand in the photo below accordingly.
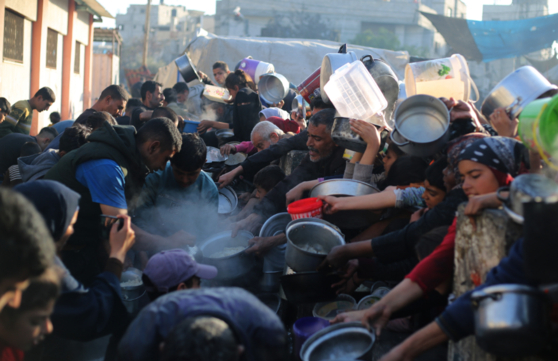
(205, 125)
(477, 203)
(505, 126)
(331, 204)
(121, 240)
(367, 131)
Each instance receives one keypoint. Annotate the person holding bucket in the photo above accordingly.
(246, 110)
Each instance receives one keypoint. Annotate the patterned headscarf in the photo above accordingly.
(454, 150)
(500, 153)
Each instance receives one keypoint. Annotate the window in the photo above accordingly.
(13, 37)
(77, 58)
(449, 12)
(52, 49)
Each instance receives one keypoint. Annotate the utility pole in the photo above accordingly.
(146, 35)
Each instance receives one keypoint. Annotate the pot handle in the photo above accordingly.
(367, 56)
(500, 197)
(395, 141)
(478, 296)
(343, 49)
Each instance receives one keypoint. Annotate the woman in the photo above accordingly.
(246, 109)
(81, 313)
(485, 165)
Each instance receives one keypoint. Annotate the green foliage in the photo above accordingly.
(385, 39)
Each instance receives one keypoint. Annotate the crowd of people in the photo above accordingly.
(123, 187)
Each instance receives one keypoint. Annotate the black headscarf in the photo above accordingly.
(54, 201)
(404, 171)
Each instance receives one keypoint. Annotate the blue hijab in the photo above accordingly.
(54, 201)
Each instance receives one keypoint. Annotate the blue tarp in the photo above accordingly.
(509, 39)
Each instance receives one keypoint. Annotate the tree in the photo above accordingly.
(385, 39)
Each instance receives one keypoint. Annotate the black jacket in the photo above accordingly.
(275, 200)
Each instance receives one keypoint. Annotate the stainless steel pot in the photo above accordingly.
(301, 106)
(313, 233)
(273, 87)
(224, 135)
(274, 260)
(526, 188)
(228, 200)
(346, 188)
(351, 341)
(343, 136)
(386, 79)
(515, 91)
(133, 290)
(233, 266)
(330, 64)
(421, 125)
(511, 320)
(187, 68)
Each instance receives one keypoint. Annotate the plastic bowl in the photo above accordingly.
(305, 208)
(190, 126)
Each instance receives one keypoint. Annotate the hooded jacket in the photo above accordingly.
(35, 166)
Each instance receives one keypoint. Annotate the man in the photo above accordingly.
(10, 146)
(171, 97)
(256, 162)
(112, 100)
(174, 270)
(35, 166)
(182, 196)
(189, 99)
(20, 118)
(264, 135)
(132, 104)
(220, 72)
(26, 247)
(151, 97)
(108, 173)
(54, 118)
(257, 329)
(324, 159)
(165, 112)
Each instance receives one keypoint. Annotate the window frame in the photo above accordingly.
(9, 38)
(51, 34)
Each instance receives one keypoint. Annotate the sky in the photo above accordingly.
(474, 7)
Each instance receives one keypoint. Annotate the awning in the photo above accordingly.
(492, 40)
(95, 8)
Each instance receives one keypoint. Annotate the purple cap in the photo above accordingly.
(169, 268)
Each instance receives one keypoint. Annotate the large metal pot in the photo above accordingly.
(515, 91)
(350, 341)
(526, 188)
(386, 79)
(421, 125)
(228, 200)
(306, 233)
(187, 68)
(511, 320)
(133, 289)
(330, 64)
(273, 87)
(346, 188)
(233, 266)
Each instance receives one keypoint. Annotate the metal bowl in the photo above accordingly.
(236, 158)
(228, 200)
(273, 87)
(310, 232)
(330, 309)
(347, 188)
(224, 135)
(274, 260)
(232, 266)
(214, 155)
(349, 340)
(515, 91)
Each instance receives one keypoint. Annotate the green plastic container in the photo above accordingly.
(527, 119)
(548, 127)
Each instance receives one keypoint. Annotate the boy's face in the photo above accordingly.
(185, 179)
(220, 75)
(432, 195)
(260, 193)
(30, 328)
(10, 291)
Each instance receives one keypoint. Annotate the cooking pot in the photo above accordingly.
(305, 237)
(346, 188)
(350, 340)
(273, 87)
(526, 188)
(224, 135)
(228, 200)
(385, 78)
(274, 260)
(515, 91)
(300, 106)
(186, 68)
(233, 266)
(309, 85)
(132, 288)
(421, 125)
(330, 63)
(511, 320)
(308, 287)
(344, 137)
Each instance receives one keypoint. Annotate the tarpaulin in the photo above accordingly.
(496, 39)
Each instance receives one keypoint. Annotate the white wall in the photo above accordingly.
(81, 27)
(53, 79)
(57, 16)
(27, 8)
(16, 77)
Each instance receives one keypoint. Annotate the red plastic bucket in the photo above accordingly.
(308, 86)
(305, 208)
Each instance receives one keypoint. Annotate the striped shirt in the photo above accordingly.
(19, 120)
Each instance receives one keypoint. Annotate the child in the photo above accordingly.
(5, 109)
(24, 327)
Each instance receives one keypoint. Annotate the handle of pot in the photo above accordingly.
(395, 141)
(343, 49)
(367, 56)
(500, 197)
(478, 296)
(137, 298)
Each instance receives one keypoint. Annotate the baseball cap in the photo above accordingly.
(167, 269)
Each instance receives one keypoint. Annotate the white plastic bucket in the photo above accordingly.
(446, 77)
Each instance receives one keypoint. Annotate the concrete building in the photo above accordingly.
(402, 17)
(107, 44)
(48, 43)
(173, 25)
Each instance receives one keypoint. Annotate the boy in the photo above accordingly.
(182, 197)
(5, 109)
(20, 118)
(174, 270)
